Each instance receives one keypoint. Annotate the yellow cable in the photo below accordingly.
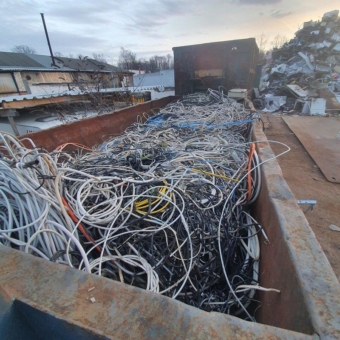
(145, 203)
(162, 209)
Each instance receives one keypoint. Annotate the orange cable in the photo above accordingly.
(80, 226)
(251, 155)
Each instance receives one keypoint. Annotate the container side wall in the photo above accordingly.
(293, 261)
(59, 299)
(95, 130)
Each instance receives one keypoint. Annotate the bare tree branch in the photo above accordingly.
(23, 49)
(99, 57)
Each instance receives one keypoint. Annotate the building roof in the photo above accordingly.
(10, 61)
(103, 65)
(46, 61)
(164, 78)
(84, 64)
(17, 61)
(21, 68)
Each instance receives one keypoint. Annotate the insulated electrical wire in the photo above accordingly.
(166, 206)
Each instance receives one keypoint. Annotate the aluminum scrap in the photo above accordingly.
(310, 61)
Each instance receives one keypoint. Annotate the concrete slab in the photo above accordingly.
(319, 137)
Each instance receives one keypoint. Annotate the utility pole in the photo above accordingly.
(48, 39)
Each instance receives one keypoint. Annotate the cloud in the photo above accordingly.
(148, 54)
(150, 16)
(140, 23)
(258, 2)
(279, 14)
(147, 27)
(68, 40)
(89, 13)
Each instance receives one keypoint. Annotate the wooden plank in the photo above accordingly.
(21, 104)
(319, 137)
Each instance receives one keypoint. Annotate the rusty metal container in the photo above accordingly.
(230, 64)
(40, 299)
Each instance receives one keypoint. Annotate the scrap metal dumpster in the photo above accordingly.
(40, 299)
(230, 64)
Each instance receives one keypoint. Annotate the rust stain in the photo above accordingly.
(90, 131)
(4, 294)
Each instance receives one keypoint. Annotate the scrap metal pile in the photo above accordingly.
(163, 207)
(304, 74)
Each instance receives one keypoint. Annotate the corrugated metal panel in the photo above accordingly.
(7, 83)
(85, 64)
(9, 99)
(105, 66)
(17, 60)
(34, 69)
(35, 62)
(46, 61)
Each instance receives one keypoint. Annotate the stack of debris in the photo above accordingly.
(304, 74)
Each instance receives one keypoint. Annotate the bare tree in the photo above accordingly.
(278, 41)
(262, 41)
(23, 49)
(57, 54)
(153, 65)
(99, 57)
(170, 61)
(127, 59)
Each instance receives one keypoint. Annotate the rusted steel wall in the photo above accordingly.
(95, 130)
(293, 261)
(228, 63)
(55, 301)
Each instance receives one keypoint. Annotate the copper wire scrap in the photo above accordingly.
(164, 206)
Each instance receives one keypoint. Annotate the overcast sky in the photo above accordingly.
(148, 27)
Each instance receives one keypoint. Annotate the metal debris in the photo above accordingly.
(334, 227)
(306, 70)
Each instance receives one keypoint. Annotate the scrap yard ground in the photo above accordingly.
(307, 182)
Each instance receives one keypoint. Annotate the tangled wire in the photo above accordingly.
(163, 207)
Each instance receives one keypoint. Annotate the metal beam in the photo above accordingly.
(10, 113)
(14, 126)
(48, 39)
